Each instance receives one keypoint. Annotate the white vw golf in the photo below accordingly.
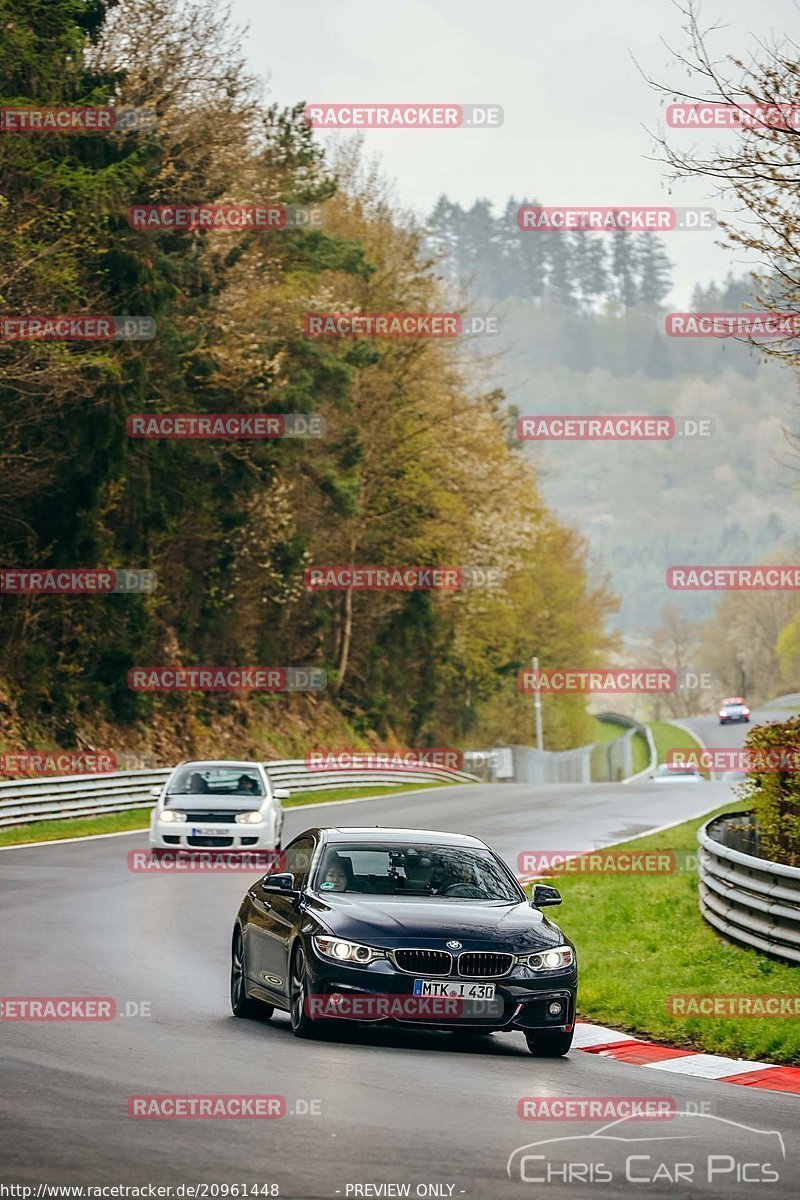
(230, 805)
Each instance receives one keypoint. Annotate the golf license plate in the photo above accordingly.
(464, 991)
(209, 831)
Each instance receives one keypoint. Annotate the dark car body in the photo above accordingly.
(486, 939)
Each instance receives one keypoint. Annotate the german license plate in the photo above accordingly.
(464, 991)
(208, 831)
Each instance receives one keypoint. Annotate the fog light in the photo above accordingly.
(555, 1008)
(336, 998)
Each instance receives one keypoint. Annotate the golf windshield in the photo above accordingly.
(232, 779)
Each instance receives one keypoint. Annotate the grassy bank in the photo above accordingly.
(121, 822)
(670, 737)
(641, 939)
(607, 731)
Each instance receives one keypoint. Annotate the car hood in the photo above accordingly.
(206, 802)
(429, 923)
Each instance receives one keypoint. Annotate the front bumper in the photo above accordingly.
(522, 998)
(178, 835)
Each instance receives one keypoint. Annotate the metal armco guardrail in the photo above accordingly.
(597, 762)
(45, 799)
(751, 900)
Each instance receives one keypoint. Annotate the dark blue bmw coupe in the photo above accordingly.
(407, 926)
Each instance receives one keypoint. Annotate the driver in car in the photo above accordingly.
(461, 880)
(246, 785)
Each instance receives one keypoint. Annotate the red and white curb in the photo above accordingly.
(626, 1048)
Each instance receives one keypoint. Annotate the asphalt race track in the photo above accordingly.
(363, 1108)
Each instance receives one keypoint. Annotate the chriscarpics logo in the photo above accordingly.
(695, 1151)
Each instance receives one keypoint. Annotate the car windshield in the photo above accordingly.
(452, 872)
(232, 779)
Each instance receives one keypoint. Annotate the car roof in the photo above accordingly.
(218, 762)
(383, 833)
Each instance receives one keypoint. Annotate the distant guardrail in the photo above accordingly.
(751, 900)
(52, 799)
(596, 762)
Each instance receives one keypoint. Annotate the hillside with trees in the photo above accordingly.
(417, 468)
(582, 331)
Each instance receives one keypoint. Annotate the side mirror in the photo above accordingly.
(282, 881)
(281, 793)
(544, 896)
(155, 792)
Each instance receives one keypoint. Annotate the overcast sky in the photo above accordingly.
(575, 104)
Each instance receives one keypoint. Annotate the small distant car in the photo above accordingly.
(222, 804)
(380, 925)
(733, 711)
(667, 773)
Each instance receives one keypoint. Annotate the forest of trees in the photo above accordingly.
(576, 270)
(581, 300)
(417, 467)
(582, 331)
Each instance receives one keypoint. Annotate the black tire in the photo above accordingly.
(548, 1043)
(303, 1026)
(241, 1004)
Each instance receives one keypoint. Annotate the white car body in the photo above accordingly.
(668, 774)
(202, 818)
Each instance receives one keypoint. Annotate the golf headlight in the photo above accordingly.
(249, 818)
(346, 952)
(550, 960)
(169, 814)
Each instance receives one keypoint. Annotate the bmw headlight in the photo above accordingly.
(347, 952)
(169, 814)
(549, 960)
(249, 818)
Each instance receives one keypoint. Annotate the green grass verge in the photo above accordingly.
(354, 793)
(139, 818)
(607, 731)
(641, 939)
(671, 737)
